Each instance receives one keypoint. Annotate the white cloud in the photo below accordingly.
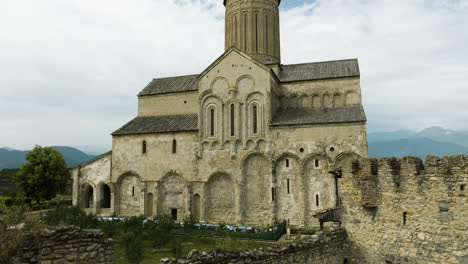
(70, 70)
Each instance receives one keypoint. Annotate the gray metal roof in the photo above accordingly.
(319, 116)
(159, 124)
(171, 85)
(320, 70)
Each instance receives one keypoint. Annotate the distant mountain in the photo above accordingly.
(389, 136)
(10, 158)
(445, 135)
(420, 147)
(435, 133)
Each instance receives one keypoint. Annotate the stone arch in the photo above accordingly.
(316, 101)
(337, 100)
(326, 100)
(255, 107)
(208, 104)
(220, 198)
(305, 101)
(219, 85)
(351, 98)
(245, 83)
(289, 189)
(104, 196)
(88, 193)
(344, 156)
(319, 182)
(173, 195)
(256, 198)
(130, 194)
(293, 101)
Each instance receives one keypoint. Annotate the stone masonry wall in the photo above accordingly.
(326, 247)
(404, 211)
(68, 245)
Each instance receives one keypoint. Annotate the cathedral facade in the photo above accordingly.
(246, 141)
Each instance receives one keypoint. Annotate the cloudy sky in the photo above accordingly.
(70, 70)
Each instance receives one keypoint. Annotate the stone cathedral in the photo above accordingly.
(248, 140)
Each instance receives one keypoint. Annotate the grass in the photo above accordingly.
(187, 244)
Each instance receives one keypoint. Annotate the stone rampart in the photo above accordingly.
(407, 211)
(326, 247)
(68, 245)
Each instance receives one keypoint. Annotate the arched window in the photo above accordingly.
(89, 198)
(232, 120)
(174, 146)
(287, 163)
(143, 147)
(255, 119)
(212, 122)
(106, 196)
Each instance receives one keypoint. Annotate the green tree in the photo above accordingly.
(43, 175)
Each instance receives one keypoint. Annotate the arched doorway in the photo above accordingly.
(150, 205)
(105, 196)
(196, 207)
(173, 196)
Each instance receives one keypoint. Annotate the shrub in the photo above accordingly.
(11, 233)
(133, 247)
(134, 224)
(70, 216)
(159, 230)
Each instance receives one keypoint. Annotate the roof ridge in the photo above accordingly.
(304, 63)
(173, 77)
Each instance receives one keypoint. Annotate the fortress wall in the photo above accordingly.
(407, 211)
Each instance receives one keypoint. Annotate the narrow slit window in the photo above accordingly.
(287, 185)
(404, 218)
(273, 194)
(254, 118)
(212, 122)
(232, 120)
(317, 200)
(266, 34)
(245, 32)
(256, 32)
(317, 163)
(174, 146)
(143, 147)
(235, 31)
(133, 191)
(287, 163)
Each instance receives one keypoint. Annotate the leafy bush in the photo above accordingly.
(12, 234)
(70, 216)
(134, 247)
(134, 224)
(159, 230)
